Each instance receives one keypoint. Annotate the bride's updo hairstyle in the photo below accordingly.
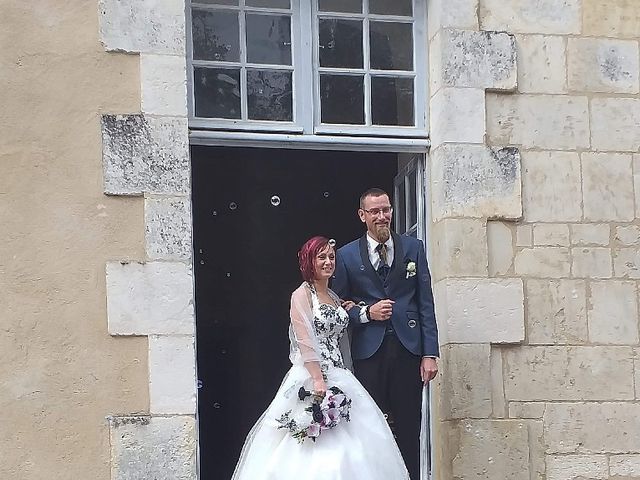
(307, 256)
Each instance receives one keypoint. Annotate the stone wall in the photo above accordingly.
(535, 245)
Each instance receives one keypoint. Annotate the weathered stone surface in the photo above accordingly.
(162, 448)
(526, 16)
(448, 106)
(551, 187)
(526, 409)
(577, 467)
(614, 124)
(488, 450)
(168, 227)
(590, 234)
(500, 409)
(627, 234)
(626, 263)
(152, 26)
(501, 252)
(493, 310)
(460, 248)
(603, 65)
(625, 466)
(554, 122)
(542, 64)
(460, 14)
(591, 262)
(466, 389)
(163, 84)
(636, 182)
(537, 448)
(474, 181)
(556, 311)
(145, 155)
(568, 373)
(612, 427)
(636, 367)
(465, 58)
(613, 313)
(551, 234)
(172, 375)
(151, 298)
(613, 18)
(546, 262)
(607, 187)
(524, 236)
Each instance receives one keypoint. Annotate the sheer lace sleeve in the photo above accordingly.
(304, 347)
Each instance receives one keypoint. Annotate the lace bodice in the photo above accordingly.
(330, 323)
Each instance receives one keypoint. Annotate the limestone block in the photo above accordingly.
(162, 448)
(590, 234)
(150, 298)
(551, 234)
(551, 187)
(577, 467)
(636, 366)
(626, 263)
(163, 84)
(537, 448)
(626, 466)
(485, 60)
(612, 427)
(526, 16)
(172, 375)
(591, 262)
(448, 107)
(466, 389)
(501, 252)
(460, 248)
(488, 450)
(614, 124)
(607, 181)
(500, 409)
(168, 227)
(475, 181)
(613, 313)
(636, 182)
(627, 234)
(554, 122)
(461, 14)
(526, 409)
(542, 64)
(152, 26)
(145, 155)
(603, 65)
(480, 310)
(613, 18)
(524, 236)
(556, 311)
(546, 262)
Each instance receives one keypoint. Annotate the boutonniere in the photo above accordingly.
(411, 269)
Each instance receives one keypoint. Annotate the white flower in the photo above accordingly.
(411, 269)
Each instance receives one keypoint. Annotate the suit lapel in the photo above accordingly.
(368, 268)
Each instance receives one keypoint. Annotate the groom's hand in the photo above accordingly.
(428, 369)
(381, 310)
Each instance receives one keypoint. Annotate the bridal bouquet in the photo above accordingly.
(318, 414)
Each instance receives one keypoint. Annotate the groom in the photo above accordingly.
(394, 334)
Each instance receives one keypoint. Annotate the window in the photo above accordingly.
(308, 66)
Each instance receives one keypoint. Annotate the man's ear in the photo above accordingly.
(361, 215)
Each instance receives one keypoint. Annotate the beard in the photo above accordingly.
(383, 232)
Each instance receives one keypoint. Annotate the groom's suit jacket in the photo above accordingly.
(413, 318)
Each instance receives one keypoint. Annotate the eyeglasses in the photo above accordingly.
(377, 211)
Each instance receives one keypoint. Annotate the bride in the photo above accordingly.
(360, 445)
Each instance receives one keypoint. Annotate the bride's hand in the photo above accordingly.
(348, 304)
(319, 387)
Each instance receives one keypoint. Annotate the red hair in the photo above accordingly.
(307, 256)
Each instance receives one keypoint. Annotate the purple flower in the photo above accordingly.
(313, 430)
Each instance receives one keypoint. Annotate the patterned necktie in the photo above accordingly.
(383, 268)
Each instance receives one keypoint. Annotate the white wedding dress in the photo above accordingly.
(360, 449)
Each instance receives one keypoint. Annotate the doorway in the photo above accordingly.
(252, 210)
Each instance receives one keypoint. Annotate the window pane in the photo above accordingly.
(216, 36)
(391, 7)
(269, 3)
(400, 211)
(342, 99)
(412, 207)
(217, 92)
(351, 6)
(216, 2)
(269, 39)
(340, 43)
(269, 95)
(392, 101)
(391, 45)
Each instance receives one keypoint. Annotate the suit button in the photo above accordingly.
(412, 323)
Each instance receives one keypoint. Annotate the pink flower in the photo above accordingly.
(333, 414)
(313, 430)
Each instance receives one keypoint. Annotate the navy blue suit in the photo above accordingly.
(387, 354)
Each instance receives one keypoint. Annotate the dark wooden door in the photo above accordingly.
(252, 210)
